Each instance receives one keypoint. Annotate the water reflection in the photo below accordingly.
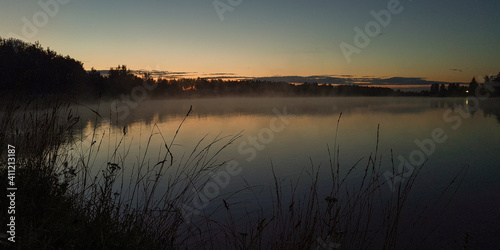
(155, 111)
(303, 142)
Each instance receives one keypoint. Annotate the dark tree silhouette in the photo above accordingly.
(434, 89)
(30, 69)
(472, 86)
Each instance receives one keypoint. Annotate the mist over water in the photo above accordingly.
(300, 140)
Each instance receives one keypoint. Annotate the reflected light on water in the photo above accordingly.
(312, 127)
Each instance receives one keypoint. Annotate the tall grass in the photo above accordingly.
(68, 199)
(357, 212)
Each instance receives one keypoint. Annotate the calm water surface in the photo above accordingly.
(299, 140)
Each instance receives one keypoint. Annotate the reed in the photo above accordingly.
(70, 200)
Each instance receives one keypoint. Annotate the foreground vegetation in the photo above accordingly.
(67, 200)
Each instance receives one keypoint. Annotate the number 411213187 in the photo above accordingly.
(11, 162)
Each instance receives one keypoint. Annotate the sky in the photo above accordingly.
(449, 41)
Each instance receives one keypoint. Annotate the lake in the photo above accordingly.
(295, 134)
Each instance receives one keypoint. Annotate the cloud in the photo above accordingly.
(164, 73)
(302, 79)
(390, 81)
(321, 79)
(221, 74)
(233, 77)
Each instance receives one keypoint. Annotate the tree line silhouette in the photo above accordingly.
(454, 89)
(29, 69)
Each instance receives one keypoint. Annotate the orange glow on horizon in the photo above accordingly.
(188, 88)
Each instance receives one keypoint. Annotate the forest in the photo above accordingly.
(28, 69)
